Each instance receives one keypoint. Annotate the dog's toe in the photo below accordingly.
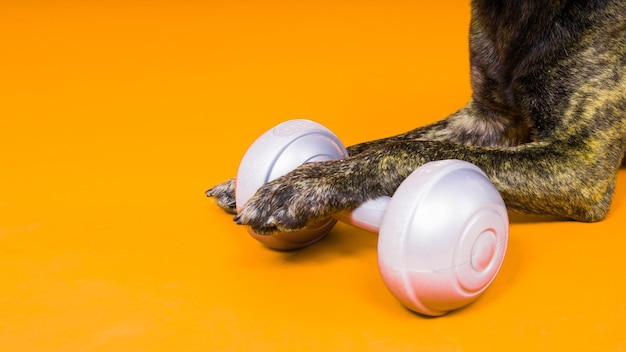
(224, 195)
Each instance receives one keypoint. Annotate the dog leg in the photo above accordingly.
(501, 131)
(571, 175)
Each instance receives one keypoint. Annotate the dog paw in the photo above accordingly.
(224, 194)
(292, 201)
(276, 207)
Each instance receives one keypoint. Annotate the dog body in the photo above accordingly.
(546, 122)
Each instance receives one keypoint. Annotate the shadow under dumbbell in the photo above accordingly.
(342, 241)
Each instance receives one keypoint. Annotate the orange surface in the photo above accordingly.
(117, 115)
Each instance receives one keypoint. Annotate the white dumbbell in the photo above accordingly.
(442, 236)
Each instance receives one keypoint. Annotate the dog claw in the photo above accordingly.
(224, 194)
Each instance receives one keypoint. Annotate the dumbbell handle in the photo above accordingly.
(368, 216)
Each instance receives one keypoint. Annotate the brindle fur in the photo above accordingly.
(546, 122)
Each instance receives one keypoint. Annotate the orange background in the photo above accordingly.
(115, 116)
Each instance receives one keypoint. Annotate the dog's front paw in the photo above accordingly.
(274, 208)
(224, 194)
(290, 202)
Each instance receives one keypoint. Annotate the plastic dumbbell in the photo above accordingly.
(442, 236)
